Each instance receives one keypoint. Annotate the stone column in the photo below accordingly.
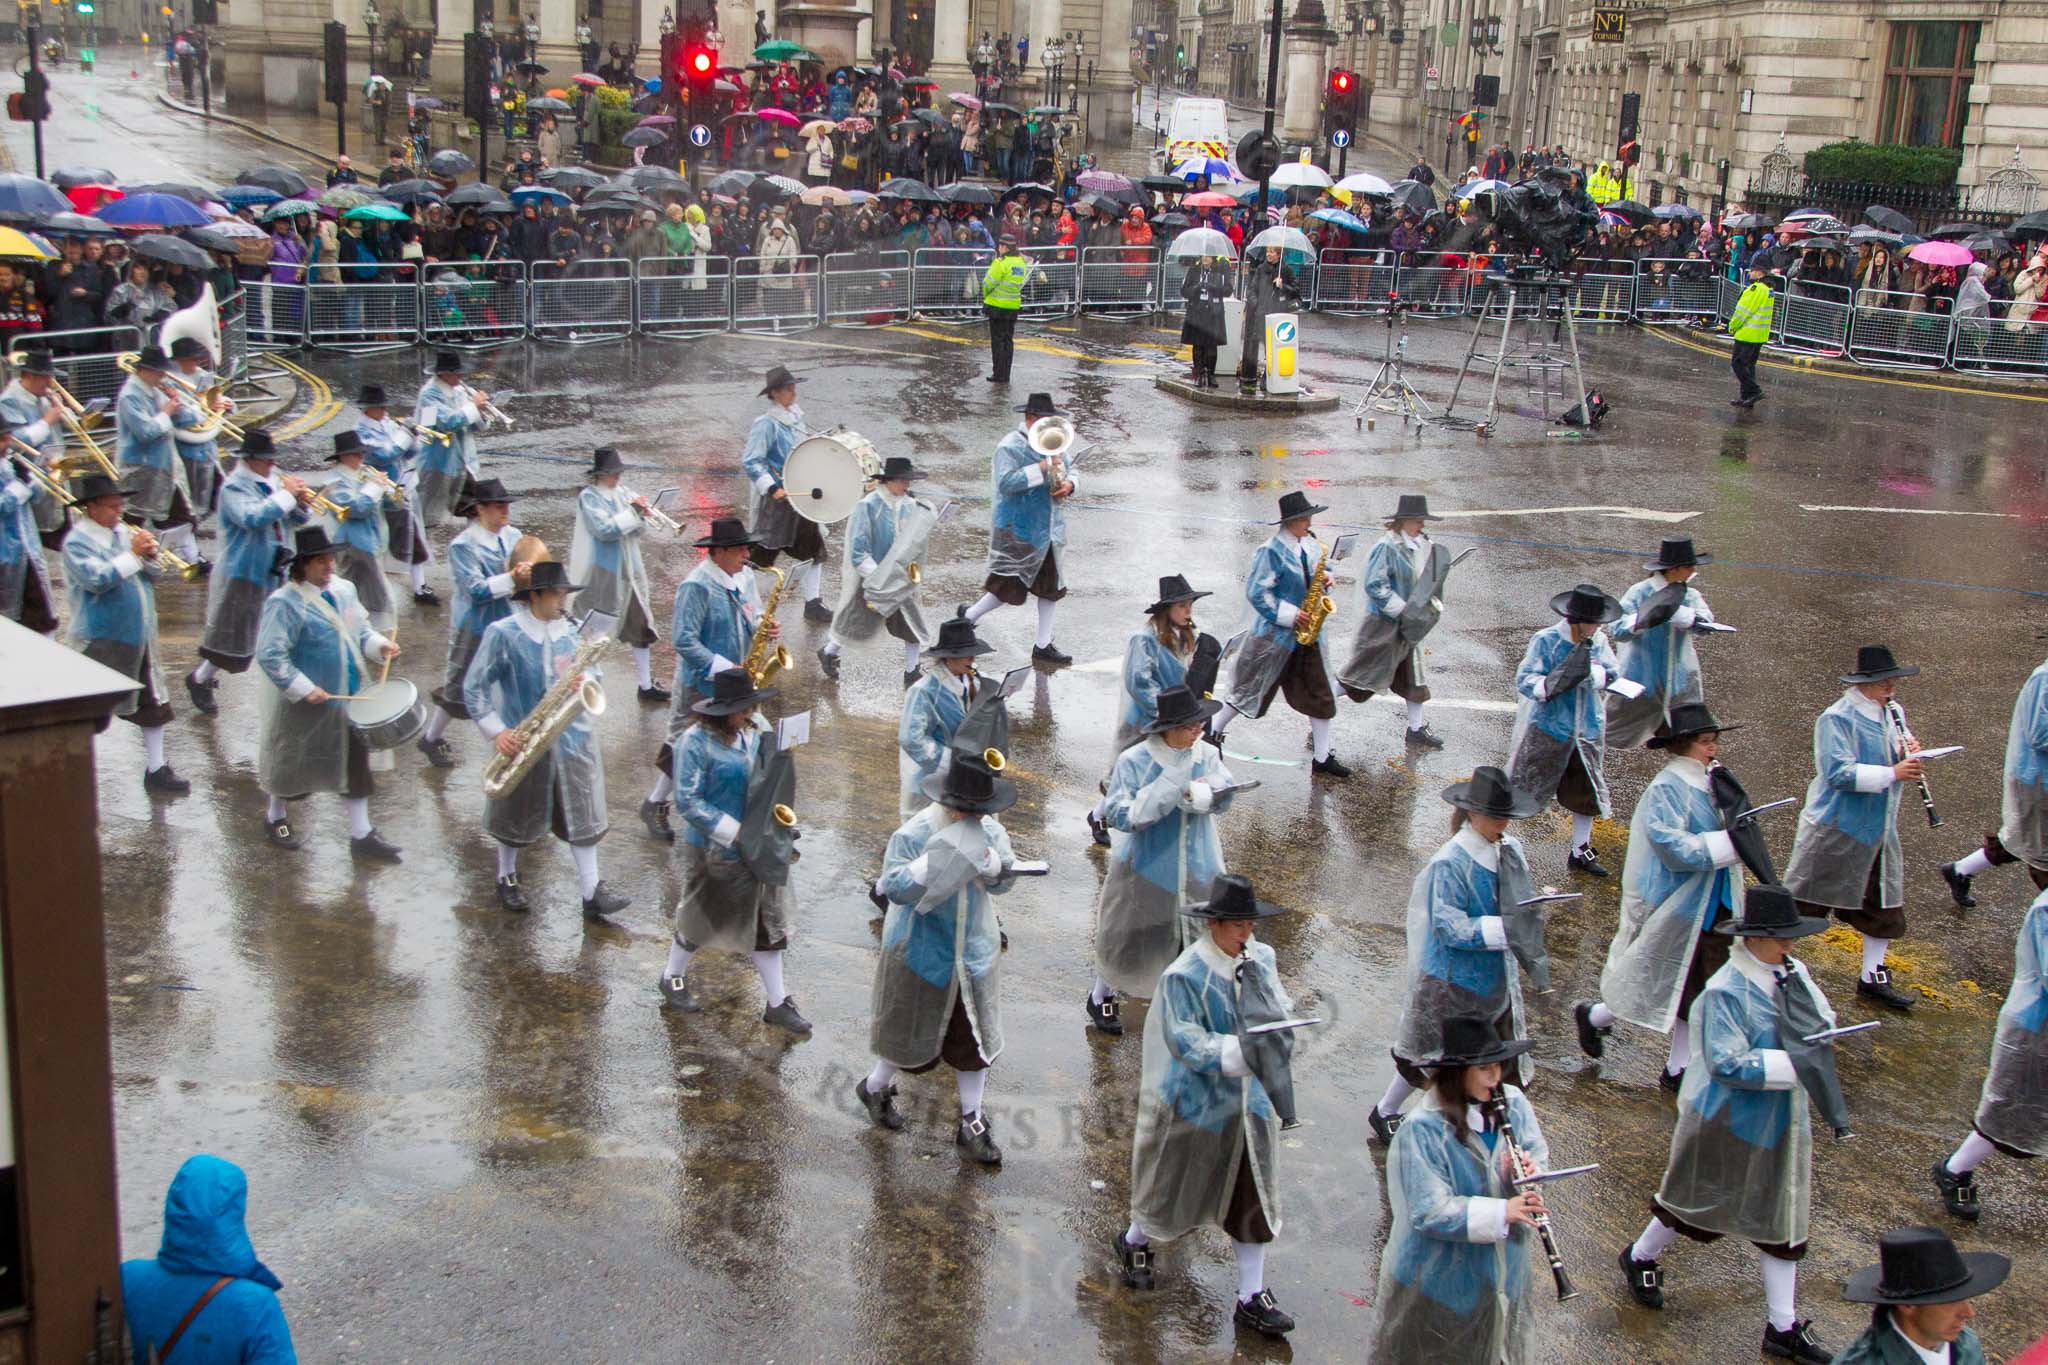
(1109, 119)
(950, 37)
(1304, 54)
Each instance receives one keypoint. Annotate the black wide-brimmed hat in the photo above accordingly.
(777, 378)
(957, 640)
(1230, 897)
(732, 691)
(1469, 1040)
(37, 362)
(1411, 507)
(313, 540)
(152, 358)
(1587, 605)
(606, 460)
(549, 575)
(1688, 718)
(1038, 405)
(1921, 1265)
(1179, 706)
(1874, 663)
(726, 532)
(258, 444)
(968, 784)
(447, 362)
(1676, 552)
(89, 487)
(1770, 912)
(899, 467)
(477, 492)
(372, 396)
(1296, 504)
(189, 348)
(1173, 588)
(346, 443)
(1488, 792)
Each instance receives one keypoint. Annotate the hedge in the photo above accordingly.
(1874, 164)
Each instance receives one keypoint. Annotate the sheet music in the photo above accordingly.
(1013, 681)
(1768, 806)
(1345, 544)
(1230, 646)
(1943, 752)
(595, 625)
(1542, 1176)
(1718, 627)
(1826, 1034)
(1463, 555)
(1548, 896)
(1280, 1025)
(945, 509)
(791, 731)
(1626, 688)
(668, 500)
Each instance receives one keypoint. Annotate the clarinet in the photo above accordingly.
(1905, 737)
(1497, 1110)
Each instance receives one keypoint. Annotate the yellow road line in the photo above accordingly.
(321, 408)
(1812, 369)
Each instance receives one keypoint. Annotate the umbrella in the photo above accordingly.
(412, 192)
(966, 192)
(1038, 109)
(25, 196)
(1175, 221)
(651, 85)
(1217, 169)
(1955, 232)
(1365, 182)
(857, 124)
(1209, 199)
(783, 50)
(1989, 243)
(861, 196)
(477, 194)
(1799, 215)
(1629, 211)
(644, 137)
(921, 83)
(449, 163)
(1286, 238)
(2032, 225)
(965, 101)
(72, 176)
(212, 239)
(1164, 184)
(587, 79)
(532, 69)
(730, 182)
(547, 104)
(558, 94)
(233, 230)
(900, 124)
(300, 208)
(1031, 187)
(1103, 180)
(1301, 173)
(819, 196)
(88, 198)
(538, 194)
(1472, 188)
(817, 126)
(775, 187)
(423, 101)
(931, 116)
(1890, 219)
(1942, 253)
(1683, 212)
(377, 82)
(154, 211)
(239, 196)
(657, 121)
(1350, 222)
(1412, 195)
(14, 242)
(1871, 236)
(177, 189)
(659, 179)
(782, 116)
(1244, 194)
(1742, 222)
(571, 178)
(903, 188)
(160, 247)
(77, 225)
(1202, 242)
(1091, 203)
(377, 213)
(996, 107)
(340, 197)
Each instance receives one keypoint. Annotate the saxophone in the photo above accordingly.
(1317, 606)
(573, 695)
(759, 663)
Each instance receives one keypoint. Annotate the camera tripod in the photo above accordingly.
(1390, 390)
(1539, 297)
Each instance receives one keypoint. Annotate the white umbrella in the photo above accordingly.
(1286, 238)
(1202, 242)
(1364, 182)
(1301, 173)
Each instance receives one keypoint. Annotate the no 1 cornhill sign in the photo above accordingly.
(1610, 25)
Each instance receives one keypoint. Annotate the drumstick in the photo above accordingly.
(385, 676)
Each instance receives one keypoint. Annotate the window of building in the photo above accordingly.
(1927, 84)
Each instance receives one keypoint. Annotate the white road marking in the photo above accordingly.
(1116, 665)
(1906, 511)
(1624, 513)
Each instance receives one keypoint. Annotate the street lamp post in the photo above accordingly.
(487, 38)
(533, 59)
(1049, 57)
(1074, 106)
(1485, 38)
(372, 17)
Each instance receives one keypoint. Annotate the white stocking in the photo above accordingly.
(1600, 1016)
(833, 649)
(1397, 1095)
(205, 672)
(1681, 1049)
(1582, 832)
(643, 665)
(1415, 721)
(358, 817)
(586, 867)
(970, 1084)
(1319, 732)
(181, 542)
(1976, 864)
(1781, 1290)
(273, 808)
(1046, 608)
(437, 725)
(153, 747)
(664, 788)
(910, 656)
(508, 861)
(769, 965)
(1222, 718)
(1971, 1154)
(1135, 1236)
(1100, 991)
(988, 603)
(1251, 1269)
(419, 576)
(1655, 1241)
(1873, 955)
(878, 1080)
(812, 575)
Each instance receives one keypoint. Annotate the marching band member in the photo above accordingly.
(27, 508)
(939, 944)
(1846, 856)
(1922, 1287)
(391, 451)
(30, 410)
(1028, 530)
(777, 528)
(1659, 617)
(1205, 1147)
(258, 514)
(519, 658)
(1163, 798)
(314, 644)
(1560, 742)
(2012, 1112)
(1680, 880)
(1155, 659)
(200, 450)
(111, 572)
(480, 563)
(2022, 834)
(724, 905)
(605, 557)
(716, 614)
(1454, 1282)
(1458, 956)
(871, 533)
(1272, 661)
(363, 532)
(449, 406)
(1384, 658)
(144, 418)
(1742, 1154)
(934, 708)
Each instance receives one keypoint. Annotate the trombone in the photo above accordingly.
(394, 493)
(421, 433)
(215, 418)
(30, 459)
(76, 415)
(163, 558)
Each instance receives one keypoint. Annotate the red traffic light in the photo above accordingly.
(699, 62)
(1340, 81)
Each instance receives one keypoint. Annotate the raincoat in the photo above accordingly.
(724, 905)
(519, 659)
(2014, 1107)
(477, 561)
(1163, 854)
(774, 434)
(21, 413)
(1454, 1281)
(1458, 957)
(310, 639)
(1391, 572)
(1150, 667)
(1661, 658)
(443, 464)
(932, 710)
(390, 448)
(1028, 521)
(257, 517)
(1852, 809)
(2024, 831)
(113, 606)
(200, 453)
(714, 621)
(875, 573)
(1742, 1153)
(364, 537)
(21, 545)
(144, 450)
(1882, 1344)
(1682, 875)
(205, 1238)
(1548, 729)
(940, 938)
(605, 556)
(1197, 1121)
(1276, 586)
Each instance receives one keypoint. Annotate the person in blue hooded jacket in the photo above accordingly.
(1155, 659)
(146, 454)
(2022, 834)
(454, 409)
(1028, 529)
(1559, 747)
(206, 1252)
(363, 534)
(480, 565)
(777, 528)
(259, 511)
(1659, 618)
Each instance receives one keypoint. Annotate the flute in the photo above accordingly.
(1497, 1110)
(1905, 743)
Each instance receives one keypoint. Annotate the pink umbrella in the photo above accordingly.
(1942, 253)
(965, 101)
(587, 79)
(657, 121)
(780, 116)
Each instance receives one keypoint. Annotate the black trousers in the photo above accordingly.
(1002, 335)
(1743, 362)
(1204, 361)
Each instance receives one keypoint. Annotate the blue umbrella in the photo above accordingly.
(1215, 168)
(1473, 187)
(1684, 211)
(1244, 194)
(651, 85)
(154, 210)
(539, 194)
(1348, 221)
(241, 196)
(24, 196)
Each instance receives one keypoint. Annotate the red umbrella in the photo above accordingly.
(587, 79)
(1209, 199)
(86, 198)
(780, 116)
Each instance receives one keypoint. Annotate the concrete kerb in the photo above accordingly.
(244, 125)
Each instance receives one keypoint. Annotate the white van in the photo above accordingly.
(1197, 127)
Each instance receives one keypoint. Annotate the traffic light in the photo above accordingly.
(1340, 101)
(86, 7)
(334, 64)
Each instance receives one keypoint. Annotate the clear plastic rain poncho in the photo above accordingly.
(724, 905)
(1661, 657)
(604, 556)
(940, 941)
(477, 561)
(308, 641)
(1549, 728)
(1163, 854)
(1742, 1153)
(21, 412)
(257, 517)
(21, 545)
(1028, 520)
(2014, 1106)
(1278, 578)
(2024, 831)
(774, 434)
(1195, 1123)
(1680, 877)
(714, 620)
(1451, 1289)
(443, 465)
(366, 538)
(113, 606)
(1458, 957)
(1149, 669)
(932, 711)
(1852, 811)
(519, 659)
(1395, 618)
(885, 536)
(144, 450)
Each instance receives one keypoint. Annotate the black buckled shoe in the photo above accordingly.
(1383, 1128)
(1592, 1038)
(828, 664)
(1097, 830)
(203, 702)
(1050, 654)
(510, 895)
(676, 997)
(881, 1108)
(1136, 1262)
(1879, 988)
(1106, 1016)
(880, 901)
(1263, 1316)
(657, 695)
(910, 678)
(1645, 1279)
(281, 833)
(1958, 884)
(1796, 1345)
(604, 901)
(1330, 767)
(816, 610)
(437, 751)
(1213, 738)
(1422, 737)
(373, 848)
(654, 815)
(164, 782)
(973, 1135)
(426, 597)
(1958, 1192)
(1667, 1081)
(1587, 861)
(786, 1016)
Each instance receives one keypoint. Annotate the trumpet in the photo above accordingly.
(424, 433)
(30, 459)
(76, 415)
(208, 400)
(487, 407)
(161, 556)
(394, 492)
(652, 513)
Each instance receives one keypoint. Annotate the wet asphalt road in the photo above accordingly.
(475, 1136)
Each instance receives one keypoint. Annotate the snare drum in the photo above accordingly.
(388, 714)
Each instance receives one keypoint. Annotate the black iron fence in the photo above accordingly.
(1927, 207)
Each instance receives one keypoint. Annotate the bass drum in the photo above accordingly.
(826, 475)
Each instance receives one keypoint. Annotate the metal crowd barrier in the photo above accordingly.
(474, 305)
(1054, 288)
(867, 288)
(1606, 296)
(774, 294)
(1120, 281)
(234, 336)
(1434, 284)
(2002, 346)
(1813, 319)
(946, 283)
(1685, 289)
(374, 307)
(583, 302)
(683, 296)
(1355, 283)
(1901, 337)
(277, 308)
